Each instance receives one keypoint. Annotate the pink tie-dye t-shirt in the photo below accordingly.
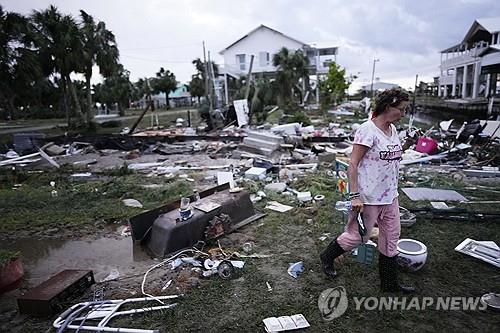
(378, 170)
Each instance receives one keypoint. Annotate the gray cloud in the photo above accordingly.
(405, 35)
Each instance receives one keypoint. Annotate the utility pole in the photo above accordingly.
(226, 92)
(211, 78)
(207, 96)
(249, 77)
(373, 75)
(247, 92)
(317, 77)
(414, 95)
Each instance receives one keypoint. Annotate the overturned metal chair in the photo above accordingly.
(80, 316)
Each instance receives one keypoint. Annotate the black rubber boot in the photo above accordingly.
(388, 269)
(332, 251)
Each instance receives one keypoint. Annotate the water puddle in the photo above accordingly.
(46, 257)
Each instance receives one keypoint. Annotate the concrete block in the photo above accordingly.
(275, 187)
(327, 157)
(258, 143)
(255, 173)
(266, 136)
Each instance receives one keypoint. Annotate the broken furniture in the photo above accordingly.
(168, 234)
(432, 194)
(45, 299)
(162, 231)
(75, 318)
(261, 143)
(487, 251)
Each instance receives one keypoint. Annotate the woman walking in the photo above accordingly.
(373, 181)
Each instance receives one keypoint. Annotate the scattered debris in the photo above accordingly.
(295, 269)
(275, 187)
(132, 203)
(81, 315)
(113, 275)
(285, 323)
(255, 173)
(407, 218)
(439, 205)
(278, 207)
(492, 301)
(487, 251)
(41, 300)
(412, 254)
(432, 194)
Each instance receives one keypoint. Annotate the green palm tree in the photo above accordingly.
(164, 82)
(99, 48)
(19, 62)
(116, 88)
(59, 43)
(291, 67)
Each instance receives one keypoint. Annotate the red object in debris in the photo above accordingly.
(426, 145)
(10, 275)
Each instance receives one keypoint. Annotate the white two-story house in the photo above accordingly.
(470, 69)
(263, 42)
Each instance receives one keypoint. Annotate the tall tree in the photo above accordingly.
(200, 67)
(19, 62)
(99, 48)
(59, 41)
(165, 82)
(199, 79)
(115, 89)
(197, 87)
(291, 68)
(336, 84)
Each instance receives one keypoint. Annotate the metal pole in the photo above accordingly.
(249, 77)
(226, 93)
(414, 95)
(206, 89)
(317, 77)
(373, 75)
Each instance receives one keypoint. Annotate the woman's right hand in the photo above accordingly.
(357, 205)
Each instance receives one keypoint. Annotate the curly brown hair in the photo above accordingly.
(389, 97)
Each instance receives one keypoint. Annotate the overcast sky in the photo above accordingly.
(405, 35)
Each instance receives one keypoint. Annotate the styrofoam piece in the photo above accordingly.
(487, 251)
(432, 194)
(255, 173)
(289, 129)
(304, 196)
(225, 177)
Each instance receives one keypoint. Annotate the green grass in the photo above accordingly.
(239, 305)
(78, 206)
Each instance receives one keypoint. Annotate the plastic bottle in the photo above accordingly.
(196, 195)
(343, 206)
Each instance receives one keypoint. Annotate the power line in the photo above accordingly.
(162, 47)
(197, 44)
(156, 60)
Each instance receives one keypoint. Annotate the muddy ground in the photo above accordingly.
(81, 228)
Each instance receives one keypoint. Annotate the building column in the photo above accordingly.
(445, 92)
(475, 83)
(494, 82)
(454, 86)
(464, 82)
(439, 90)
(488, 82)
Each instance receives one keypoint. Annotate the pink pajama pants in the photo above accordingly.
(387, 219)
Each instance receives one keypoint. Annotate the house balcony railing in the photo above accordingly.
(468, 56)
